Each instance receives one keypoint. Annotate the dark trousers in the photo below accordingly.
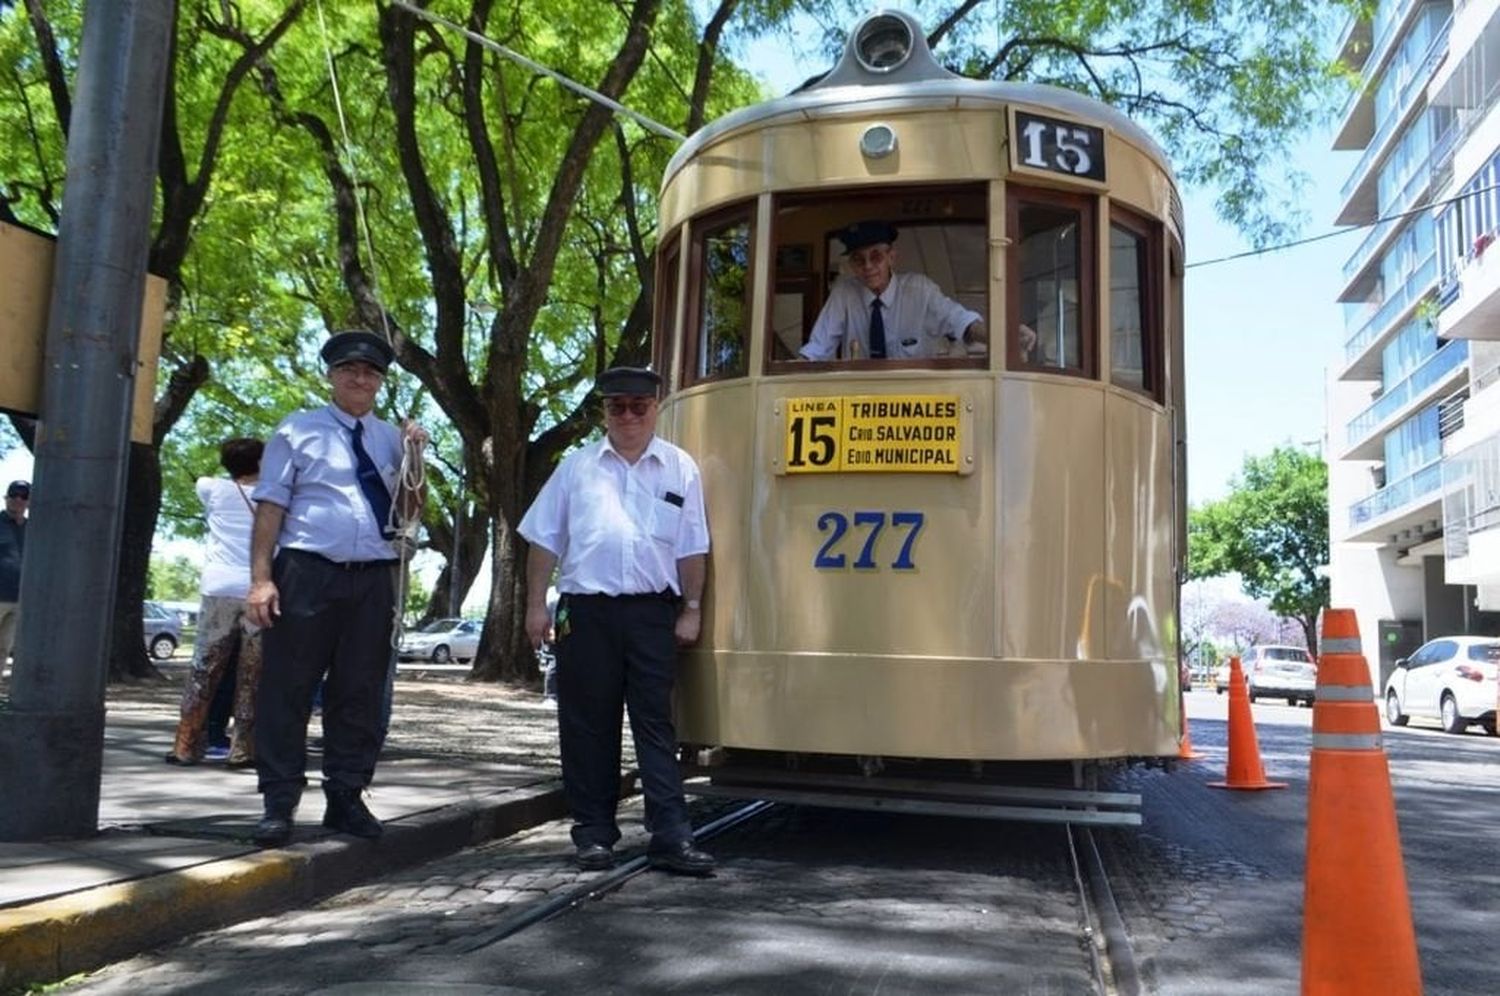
(618, 652)
(335, 625)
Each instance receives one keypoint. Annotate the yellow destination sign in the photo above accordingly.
(889, 433)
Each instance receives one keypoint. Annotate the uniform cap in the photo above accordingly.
(631, 381)
(18, 489)
(866, 233)
(358, 346)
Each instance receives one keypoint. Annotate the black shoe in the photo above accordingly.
(682, 859)
(595, 857)
(274, 829)
(181, 762)
(347, 813)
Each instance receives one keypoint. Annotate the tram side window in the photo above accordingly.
(1052, 236)
(664, 349)
(723, 275)
(1135, 332)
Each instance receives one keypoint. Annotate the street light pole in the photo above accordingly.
(52, 729)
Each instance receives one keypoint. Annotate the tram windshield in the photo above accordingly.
(900, 277)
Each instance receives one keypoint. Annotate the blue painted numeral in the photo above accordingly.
(837, 524)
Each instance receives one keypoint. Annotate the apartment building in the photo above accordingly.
(1414, 398)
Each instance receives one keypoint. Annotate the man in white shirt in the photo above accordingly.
(225, 636)
(875, 313)
(329, 482)
(624, 518)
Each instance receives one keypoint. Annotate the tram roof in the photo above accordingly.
(918, 81)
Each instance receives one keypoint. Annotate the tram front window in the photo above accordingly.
(1050, 292)
(893, 278)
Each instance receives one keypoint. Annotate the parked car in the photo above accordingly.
(1275, 672)
(1451, 679)
(163, 630)
(442, 640)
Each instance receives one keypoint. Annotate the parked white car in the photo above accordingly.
(442, 640)
(1451, 679)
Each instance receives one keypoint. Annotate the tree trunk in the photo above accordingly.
(127, 652)
(473, 541)
(503, 652)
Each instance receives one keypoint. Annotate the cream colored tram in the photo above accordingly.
(927, 570)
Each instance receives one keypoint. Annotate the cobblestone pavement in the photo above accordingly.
(805, 900)
(433, 715)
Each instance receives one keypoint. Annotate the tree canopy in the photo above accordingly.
(1271, 530)
(508, 223)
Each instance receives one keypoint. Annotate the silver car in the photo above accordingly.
(442, 640)
(1281, 673)
(163, 630)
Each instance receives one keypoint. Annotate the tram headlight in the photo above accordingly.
(882, 43)
(878, 141)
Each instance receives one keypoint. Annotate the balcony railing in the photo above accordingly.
(1429, 372)
(1471, 495)
(1399, 108)
(1417, 186)
(1403, 298)
(1394, 496)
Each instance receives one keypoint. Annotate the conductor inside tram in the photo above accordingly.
(895, 278)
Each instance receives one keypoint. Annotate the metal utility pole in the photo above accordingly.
(52, 730)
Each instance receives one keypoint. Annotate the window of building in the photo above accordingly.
(1135, 332)
(1051, 280)
(722, 254)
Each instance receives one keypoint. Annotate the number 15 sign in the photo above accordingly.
(1055, 145)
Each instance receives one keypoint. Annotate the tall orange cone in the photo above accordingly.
(1357, 934)
(1244, 770)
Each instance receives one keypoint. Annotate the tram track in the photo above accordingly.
(1111, 955)
(596, 888)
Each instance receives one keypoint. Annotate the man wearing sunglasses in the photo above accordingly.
(12, 543)
(624, 519)
(876, 313)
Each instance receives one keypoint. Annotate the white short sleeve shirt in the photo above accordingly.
(619, 528)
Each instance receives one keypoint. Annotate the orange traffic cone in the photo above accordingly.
(1357, 934)
(1185, 750)
(1244, 770)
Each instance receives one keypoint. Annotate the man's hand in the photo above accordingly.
(538, 622)
(977, 332)
(263, 603)
(1028, 341)
(689, 623)
(412, 432)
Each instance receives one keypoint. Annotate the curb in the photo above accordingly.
(50, 940)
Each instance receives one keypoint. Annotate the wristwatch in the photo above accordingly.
(693, 603)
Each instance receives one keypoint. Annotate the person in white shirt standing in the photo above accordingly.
(624, 518)
(224, 634)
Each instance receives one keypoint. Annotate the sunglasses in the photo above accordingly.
(636, 406)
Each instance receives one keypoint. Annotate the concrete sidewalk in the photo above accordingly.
(464, 763)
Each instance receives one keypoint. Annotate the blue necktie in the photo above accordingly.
(877, 330)
(370, 482)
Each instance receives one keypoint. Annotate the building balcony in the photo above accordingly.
(1358, 193)
(1470, 295)
(1361, 349)
(1435, 376)
(1471, 514)
(1406, 511)
(1360, 271)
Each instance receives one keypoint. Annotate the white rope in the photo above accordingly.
(412, 476)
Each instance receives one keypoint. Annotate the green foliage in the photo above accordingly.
(172, 579)
(1272, 530)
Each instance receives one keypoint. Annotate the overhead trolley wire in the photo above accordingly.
(1296, 243)
(536, 67)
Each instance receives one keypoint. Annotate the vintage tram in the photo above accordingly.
(942, 572)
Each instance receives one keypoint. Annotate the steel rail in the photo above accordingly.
(598, 887)
(1119, 955)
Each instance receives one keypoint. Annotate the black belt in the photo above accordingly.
(666, 594)
(342, 565)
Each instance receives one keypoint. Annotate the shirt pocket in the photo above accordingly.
(666, 520)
